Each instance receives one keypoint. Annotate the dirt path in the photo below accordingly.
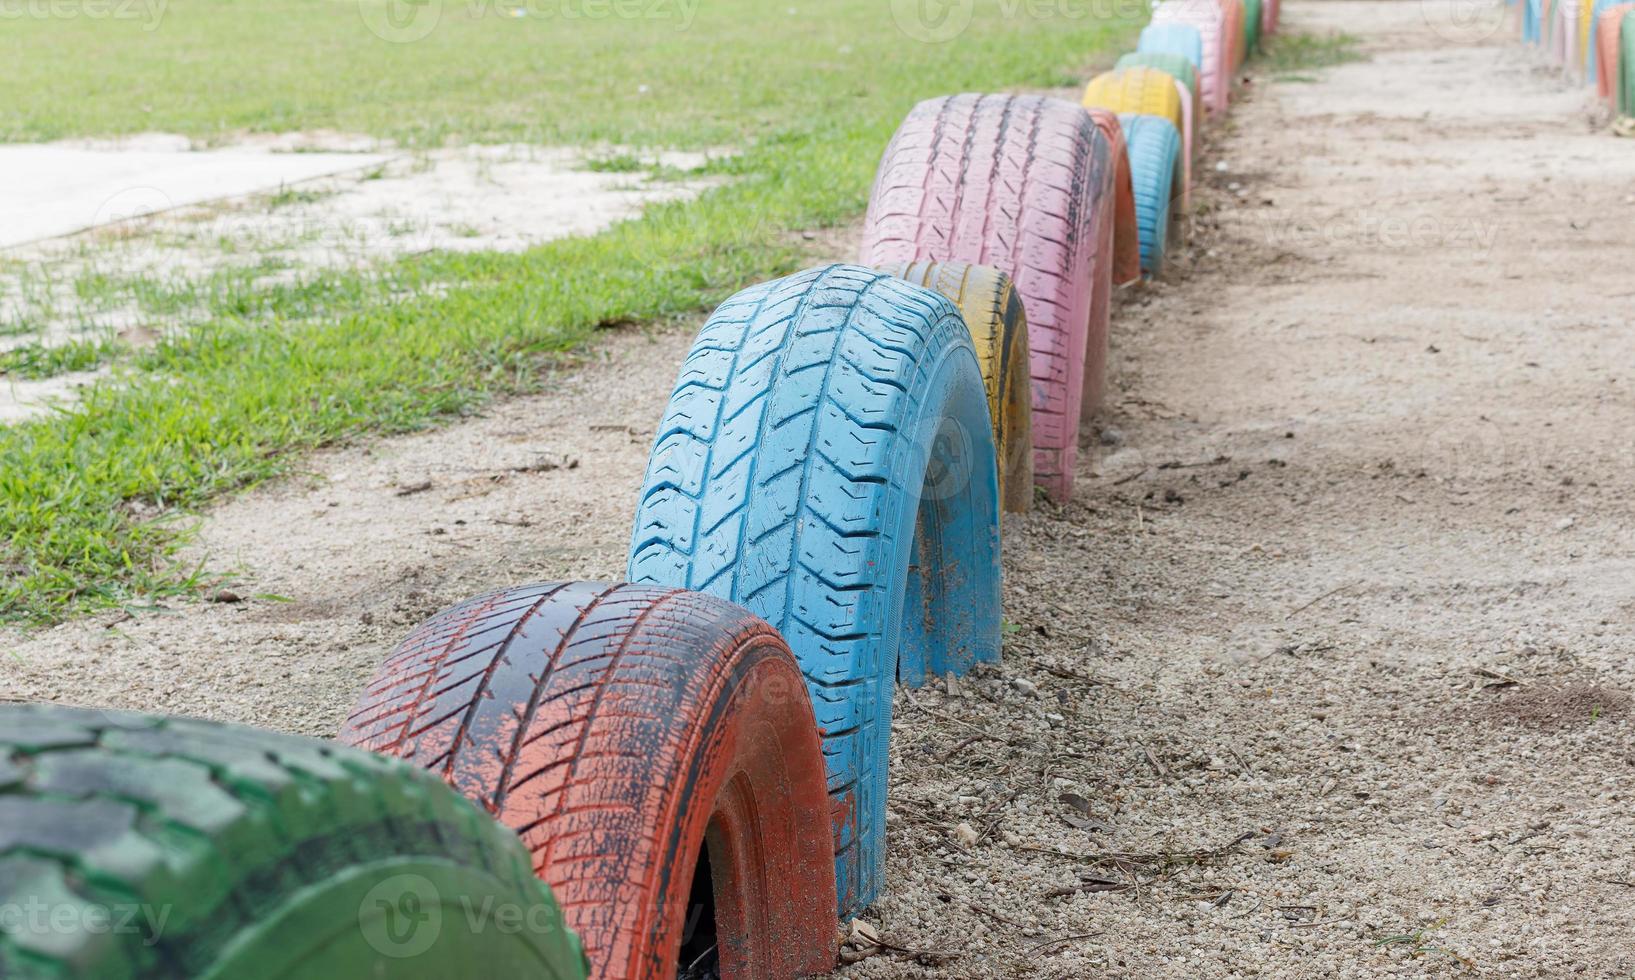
(1330, 659)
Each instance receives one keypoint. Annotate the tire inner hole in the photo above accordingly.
(700, 957)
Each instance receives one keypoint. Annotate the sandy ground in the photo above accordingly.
(1326, 670)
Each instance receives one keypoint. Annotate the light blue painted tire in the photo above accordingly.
(827, 461)
(1155, 160)
(1182, 39)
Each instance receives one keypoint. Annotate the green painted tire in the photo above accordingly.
(136, 846)
(1252, 14)
(1626, 65)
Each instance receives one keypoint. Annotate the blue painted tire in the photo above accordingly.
(827, 461)
(1532, 16)
(1155, 159)
(1182, 39)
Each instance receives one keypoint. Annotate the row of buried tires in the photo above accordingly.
(684, 774)
(1592, 40)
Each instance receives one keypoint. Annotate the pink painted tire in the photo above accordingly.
(1024, 184)
(1209, 17)
(1607, 38)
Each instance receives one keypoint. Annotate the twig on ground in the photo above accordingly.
(1325, 595)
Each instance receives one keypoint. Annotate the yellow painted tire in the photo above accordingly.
(1146, 91)
(999, 331)
(1586, 17)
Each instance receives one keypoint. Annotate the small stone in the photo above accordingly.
(966, 835)
(1565, 523)
(226, 596)
(1026, 687)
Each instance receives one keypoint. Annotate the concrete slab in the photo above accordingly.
(48, 190)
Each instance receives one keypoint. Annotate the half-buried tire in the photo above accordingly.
(999, 331)
(1169, 62)
(1218, 50)
(655, 752)
(1150, 92)
(1155, 149)
(137, 846)
(1024, 184)
(827, 460)
(1626, 66)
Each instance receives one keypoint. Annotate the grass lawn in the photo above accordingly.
(94, 499)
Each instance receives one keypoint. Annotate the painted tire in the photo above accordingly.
(1169, 62)
(1149, 92)
(1604, 47)
(1564, 34)
(1209, 19)
(1155, 149)
(1180, 39)
(1237, 33)
(1586, 20)
(1269, 16)
(269, 856)
(1141, 90)
(827, 460)
(1253, 16)
(1116, 229)
(626, 733)
(993, 312)
(1532, 16)
(1626, 66)
(1023, 184)
(1186, 76)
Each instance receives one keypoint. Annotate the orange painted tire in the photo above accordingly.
(1123, 235)
(1237, 39)
(632, 736)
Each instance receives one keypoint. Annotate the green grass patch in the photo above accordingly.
(94, 500)
(34, 361)
(1292, 57)
(675, 73)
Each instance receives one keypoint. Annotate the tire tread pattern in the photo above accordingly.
(1017, 183)
(217, 823)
